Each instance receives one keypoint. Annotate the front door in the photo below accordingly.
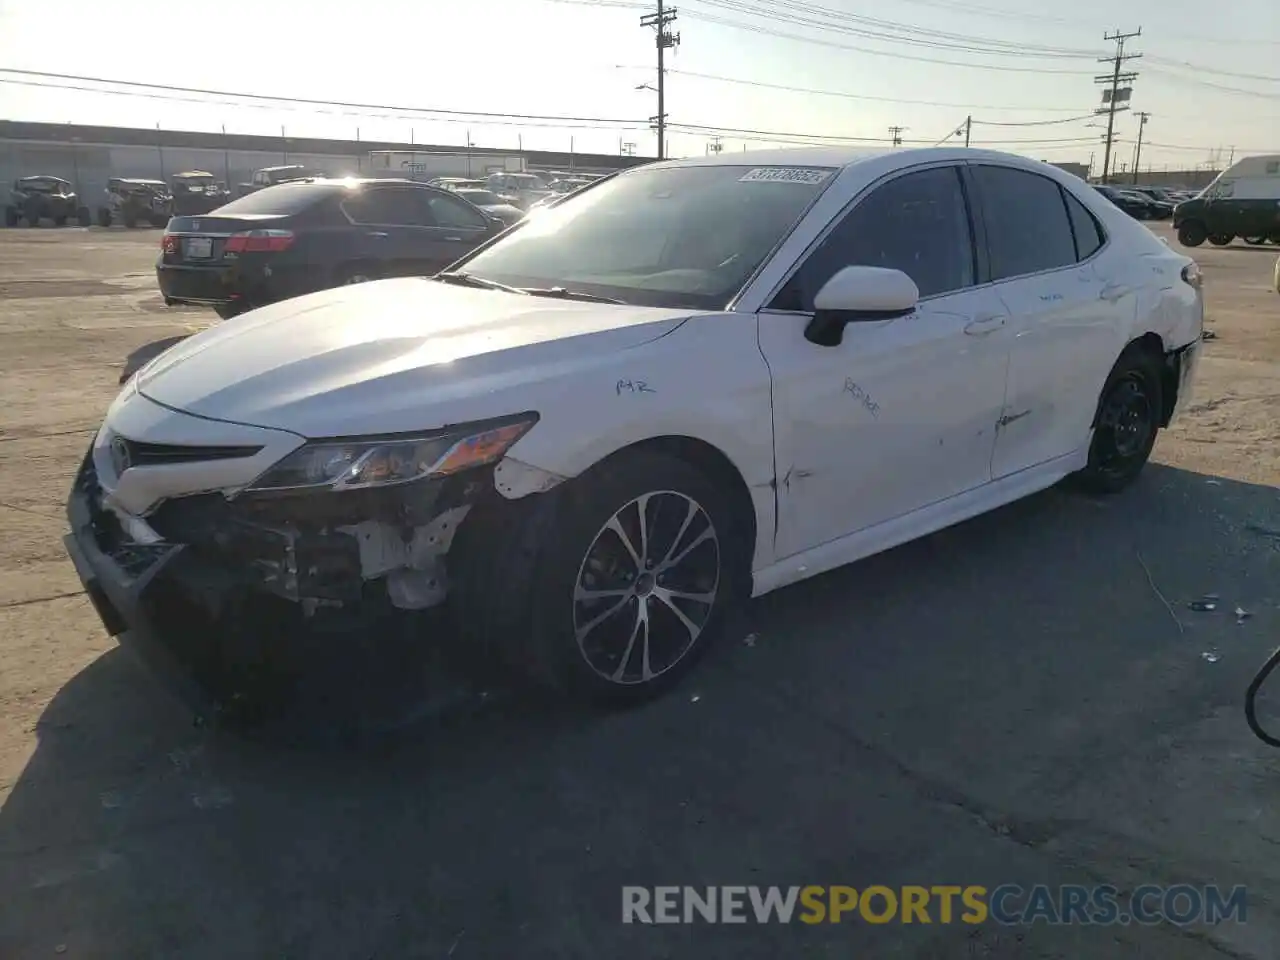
(901, 414)
(1067, 313)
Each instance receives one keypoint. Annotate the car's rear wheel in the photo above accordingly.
(104, 217)
(60, 221)
(1255, 241)
(10, 217)
(611, 586)
(226, 311)
(1221, 239)
(1129, 415)
(1192, 233)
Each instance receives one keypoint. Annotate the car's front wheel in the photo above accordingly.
(1255, 241)
(625, 574)
(1221, 239)
(1129, 415)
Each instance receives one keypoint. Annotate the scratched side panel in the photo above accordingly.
(705, 380)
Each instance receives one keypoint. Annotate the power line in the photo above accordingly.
(819, 41)
(809, 14)
(859, 96)
(469, 114)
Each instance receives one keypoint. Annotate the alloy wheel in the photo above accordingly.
(1126, 424)
(646, 588)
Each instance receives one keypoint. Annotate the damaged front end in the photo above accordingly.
(229, 594)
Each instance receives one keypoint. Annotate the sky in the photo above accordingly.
(754, 73)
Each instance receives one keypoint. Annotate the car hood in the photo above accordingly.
(390, 356)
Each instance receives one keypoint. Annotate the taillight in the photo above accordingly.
(169, 243)
(259, 241)
(1191, 275)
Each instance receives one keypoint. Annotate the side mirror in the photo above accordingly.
(859, 295)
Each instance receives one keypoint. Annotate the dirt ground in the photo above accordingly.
(1025, 698)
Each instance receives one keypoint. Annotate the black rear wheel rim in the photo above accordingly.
(1126, 425)
(646, 588)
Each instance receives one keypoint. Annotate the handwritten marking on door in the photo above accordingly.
(633, 386)
(862, 397)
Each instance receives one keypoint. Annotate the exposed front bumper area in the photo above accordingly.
(234, 600)
(1184, 363)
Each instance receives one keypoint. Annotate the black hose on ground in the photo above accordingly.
(1251, 695)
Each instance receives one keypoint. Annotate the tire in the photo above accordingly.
(1255, 241)
(356, 273)
(522, 565)
(1130, 410)
(1192, 233)
(60, 221)
(104, 217)
(10, 217)
(130, 221)
(32, 221)
(226, 311)
(84, 217)
(1221, 239)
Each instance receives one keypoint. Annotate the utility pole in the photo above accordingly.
(665, 40)
(896, 134)
(968, 129)
(1143, 117)
(1112, 97)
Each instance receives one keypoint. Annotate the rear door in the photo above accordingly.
(396, 230)
(1067, 312)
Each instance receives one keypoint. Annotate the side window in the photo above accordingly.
(387, 208)
(917, 223)
(1027, 225)
(451, 212)
(1087, 231)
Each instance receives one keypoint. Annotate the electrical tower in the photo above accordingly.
(666, 40)
(896, 133)
(1115, 95)
(1143, 117)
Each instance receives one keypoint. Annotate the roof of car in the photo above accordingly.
(845, 156)
(192, 173)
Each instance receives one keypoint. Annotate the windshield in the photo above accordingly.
(283, 198)
(674, 237)
(481, 198)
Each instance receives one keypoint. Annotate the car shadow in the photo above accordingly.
(139, 358)
(861, 727)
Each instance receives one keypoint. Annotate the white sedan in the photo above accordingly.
(693, 382)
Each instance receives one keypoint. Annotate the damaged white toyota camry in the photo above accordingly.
(691, 383)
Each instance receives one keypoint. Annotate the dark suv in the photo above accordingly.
(35, 199)
(196, 192)
(296, 238)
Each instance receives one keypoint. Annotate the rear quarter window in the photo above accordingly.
(1088, 232)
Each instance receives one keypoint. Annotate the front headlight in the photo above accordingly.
(384, 462)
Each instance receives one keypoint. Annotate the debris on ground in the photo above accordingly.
(1211, 656)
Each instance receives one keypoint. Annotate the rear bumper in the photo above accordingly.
(199, 285)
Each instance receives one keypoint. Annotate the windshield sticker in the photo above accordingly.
(785, 175)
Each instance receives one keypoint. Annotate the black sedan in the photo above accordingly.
(297, 238)
(1137, 205)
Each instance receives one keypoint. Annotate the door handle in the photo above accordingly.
(984, 324)
(376, 233)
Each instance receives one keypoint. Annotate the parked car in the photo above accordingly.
(1167, 198)
(568, 185)
(130, 201)
(196, 192)
(525, 189)
(500, 208)
(1242, 201)
(270, 176)
(459, 183)
(588, 442)
(35, 199)
(295, 238)
(1137, 205)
